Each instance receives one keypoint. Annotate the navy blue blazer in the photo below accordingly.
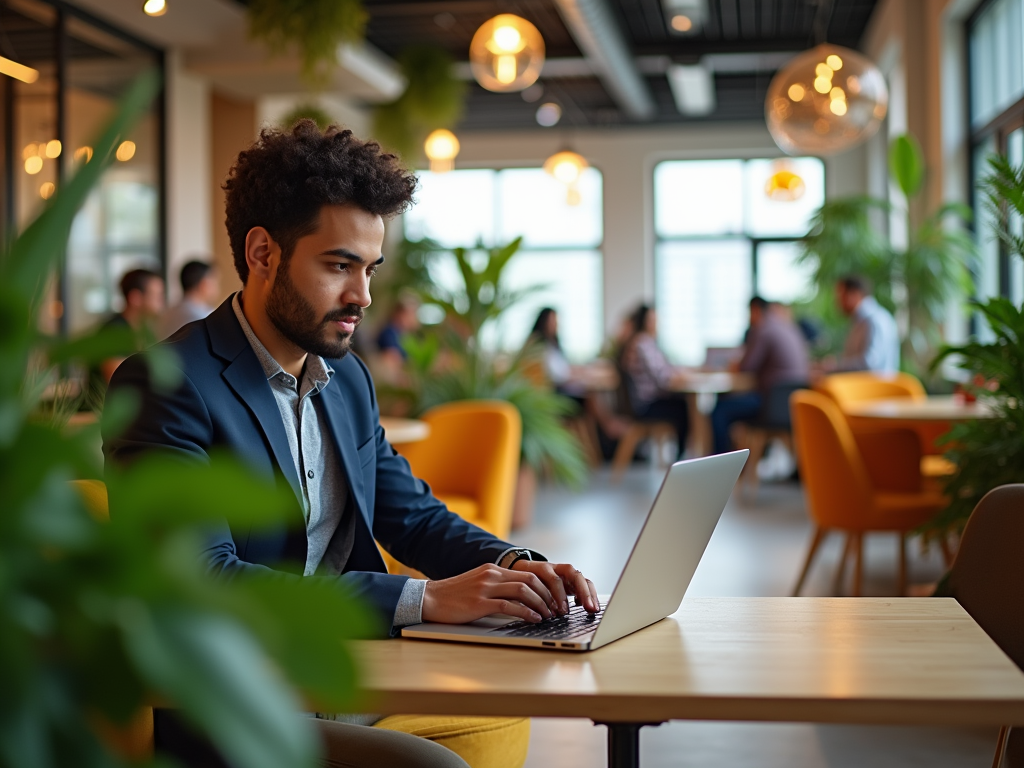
(225, 401)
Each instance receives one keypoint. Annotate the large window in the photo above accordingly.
(560, 253)
(47, 127)
(720, 240)
(996, 35)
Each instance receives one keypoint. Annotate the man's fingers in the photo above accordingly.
(512, 608)
(593, 594)
(524, 593)
(581, 588)
(534, 582)
(559, 601)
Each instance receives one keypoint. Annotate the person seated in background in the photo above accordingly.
(402, 320)
(200, 290)
(267, 376)
(775, 353)
(873, 342)
(557, 369)
(143, 292)
(647, 377)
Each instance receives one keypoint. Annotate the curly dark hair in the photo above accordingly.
(283, 180)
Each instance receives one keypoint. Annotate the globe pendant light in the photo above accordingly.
(824, 101)
(567, 167)
(506, 54)
(441, 148)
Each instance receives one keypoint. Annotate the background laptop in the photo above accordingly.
(666, 554)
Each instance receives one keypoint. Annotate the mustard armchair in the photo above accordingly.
(471, 460)
(857, 484)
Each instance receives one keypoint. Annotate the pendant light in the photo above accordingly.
(784, 185)
(441, 148)
(506, 54)
(154, 7)
(826, 100)
(567, 167)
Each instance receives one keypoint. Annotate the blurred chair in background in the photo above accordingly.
(471, 460)
(774, 423)
(987, 579)
(857, 484)
(856, 387)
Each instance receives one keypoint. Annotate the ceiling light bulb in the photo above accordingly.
(33, 165)
(154, 7)
(822, 84)
(83, 154)
(681, 23)
(549, 114)
(837, 93)
(18, 71)
(53, 149)
(824, 70)
(838, 107)
(797, 92)
(47, 189)
(125, 152)
(565, 166)
(507, 39)
(834, 61)
(506, 54)
(441, 148)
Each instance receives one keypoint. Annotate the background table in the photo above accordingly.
(822, 660)
(905, 411)
(702, 389)
(400, 431)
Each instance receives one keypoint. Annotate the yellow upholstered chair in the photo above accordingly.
(856, 387)
(471, 460)
(857, 484)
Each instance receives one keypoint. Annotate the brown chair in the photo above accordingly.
(636, 430)
(773, 423)
(857, 485)
(987, 579)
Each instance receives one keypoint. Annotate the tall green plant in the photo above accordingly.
(990, 452)
(99, 618)
(916, 282)
(449, 363)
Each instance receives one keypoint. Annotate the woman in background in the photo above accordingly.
(647, 377)
(557, 369)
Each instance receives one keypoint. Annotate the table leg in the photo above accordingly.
(624, 744)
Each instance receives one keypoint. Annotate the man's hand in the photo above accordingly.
(532, 591)
(561, 579)
(485, 590)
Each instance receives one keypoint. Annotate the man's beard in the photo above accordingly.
(296, 319)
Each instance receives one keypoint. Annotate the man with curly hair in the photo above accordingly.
(268, 375)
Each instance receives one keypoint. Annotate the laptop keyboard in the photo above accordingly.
(575, 623)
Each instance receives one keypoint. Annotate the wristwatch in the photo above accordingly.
(513, 556)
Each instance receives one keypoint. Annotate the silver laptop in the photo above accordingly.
(664, 558)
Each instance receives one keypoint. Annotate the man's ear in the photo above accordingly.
(261, 253)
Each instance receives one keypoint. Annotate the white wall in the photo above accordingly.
(271, 109)
(189, 233)
(626, 158)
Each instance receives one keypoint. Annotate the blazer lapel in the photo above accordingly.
(246, 377)
(336, 412)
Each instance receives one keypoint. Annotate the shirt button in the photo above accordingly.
(309, 474)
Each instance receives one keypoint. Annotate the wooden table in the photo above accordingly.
(909, 661)
(904, 411)
(401, 431)
(701, 389)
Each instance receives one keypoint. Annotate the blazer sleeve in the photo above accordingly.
(178, 424)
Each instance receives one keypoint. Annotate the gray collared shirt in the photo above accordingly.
(873, 343)
(326, 501)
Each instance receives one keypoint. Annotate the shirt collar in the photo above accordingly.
(866, 306)
(317, 369)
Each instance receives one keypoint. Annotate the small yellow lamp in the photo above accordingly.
(506, 54)
(784, 185)
(567, 167)
(441, 148)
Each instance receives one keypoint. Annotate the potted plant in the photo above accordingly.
(915, 282)
(990, 452)
(450, 363)
(98, 619)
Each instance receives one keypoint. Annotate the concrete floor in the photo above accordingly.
(757, 550)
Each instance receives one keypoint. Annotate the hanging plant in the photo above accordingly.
(317, 114)
(315, 28)
(433, 98)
